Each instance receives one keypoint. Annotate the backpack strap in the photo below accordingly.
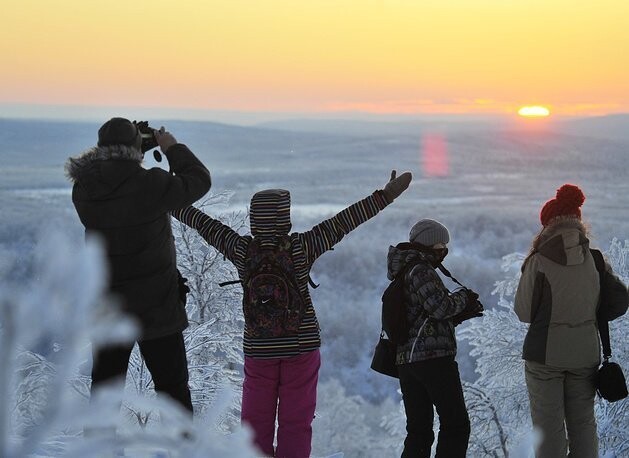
(233, 282)
(603, 325)
(408, 268)
(599, 261)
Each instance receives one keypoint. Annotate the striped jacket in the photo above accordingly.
(270, 218)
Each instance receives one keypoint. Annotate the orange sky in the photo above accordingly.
(396, 56)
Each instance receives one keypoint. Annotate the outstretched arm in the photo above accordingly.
(222, 237)
(328, 233)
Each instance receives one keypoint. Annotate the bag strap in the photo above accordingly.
(603, 325)
(447, 273)
(401, 275)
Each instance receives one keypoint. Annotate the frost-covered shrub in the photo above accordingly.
(46, 327)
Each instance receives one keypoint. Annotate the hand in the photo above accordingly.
(473, 308)
(183, 288)
(472, 297)
(164, 139)
(397, 186)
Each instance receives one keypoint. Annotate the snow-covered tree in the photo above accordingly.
(353, 426)
(214, 338)
(46, 327)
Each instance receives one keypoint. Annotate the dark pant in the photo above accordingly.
(165, 358)
(424, 384)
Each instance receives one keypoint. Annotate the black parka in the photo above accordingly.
(128, 207)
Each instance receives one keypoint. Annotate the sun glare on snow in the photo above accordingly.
(536, 111)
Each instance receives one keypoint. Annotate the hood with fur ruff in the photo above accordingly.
(101, 170)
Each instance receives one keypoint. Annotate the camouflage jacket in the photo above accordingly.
(430, 307)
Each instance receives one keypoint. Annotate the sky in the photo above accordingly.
(317, 56)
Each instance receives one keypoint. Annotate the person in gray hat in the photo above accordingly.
(428, 373)
(128, 207)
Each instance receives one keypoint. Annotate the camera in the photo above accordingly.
(473, 308)
(148, 139)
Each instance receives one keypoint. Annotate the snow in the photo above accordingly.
(51, 303)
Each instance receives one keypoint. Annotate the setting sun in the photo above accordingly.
(534, 111)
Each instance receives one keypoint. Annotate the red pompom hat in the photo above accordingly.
(567, 202)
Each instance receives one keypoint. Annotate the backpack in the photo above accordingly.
(614, 296)
(394, 320)
(273, 305)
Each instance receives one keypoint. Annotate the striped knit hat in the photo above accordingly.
(269, 213)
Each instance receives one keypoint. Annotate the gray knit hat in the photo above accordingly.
(429, 232)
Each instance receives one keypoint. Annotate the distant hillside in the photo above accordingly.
(380, 127)
(612, 127)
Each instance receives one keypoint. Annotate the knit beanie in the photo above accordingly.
(117, 131)
(429, 232)
(567, 202)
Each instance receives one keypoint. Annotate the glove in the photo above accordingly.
(473, 309)
(397, 186)
(183, 288)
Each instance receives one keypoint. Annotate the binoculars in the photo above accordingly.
(148, 139)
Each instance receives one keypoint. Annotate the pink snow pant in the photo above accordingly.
(288, 387)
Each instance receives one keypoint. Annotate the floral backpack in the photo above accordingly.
(272, 303)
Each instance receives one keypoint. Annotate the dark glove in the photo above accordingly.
(183, 288)
(397, 186)
(473, 308)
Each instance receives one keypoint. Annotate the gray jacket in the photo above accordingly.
(558, 295)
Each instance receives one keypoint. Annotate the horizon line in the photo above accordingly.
(89, 113)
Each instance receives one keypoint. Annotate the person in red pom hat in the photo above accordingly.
(558, 295)
(567, 203)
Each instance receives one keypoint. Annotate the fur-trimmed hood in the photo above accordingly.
(101, 169)
(75, 165)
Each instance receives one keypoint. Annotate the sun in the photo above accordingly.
(535, 111)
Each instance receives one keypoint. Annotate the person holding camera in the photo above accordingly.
(428, 373)
(127, 207)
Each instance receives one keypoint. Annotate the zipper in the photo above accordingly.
(421, 328)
